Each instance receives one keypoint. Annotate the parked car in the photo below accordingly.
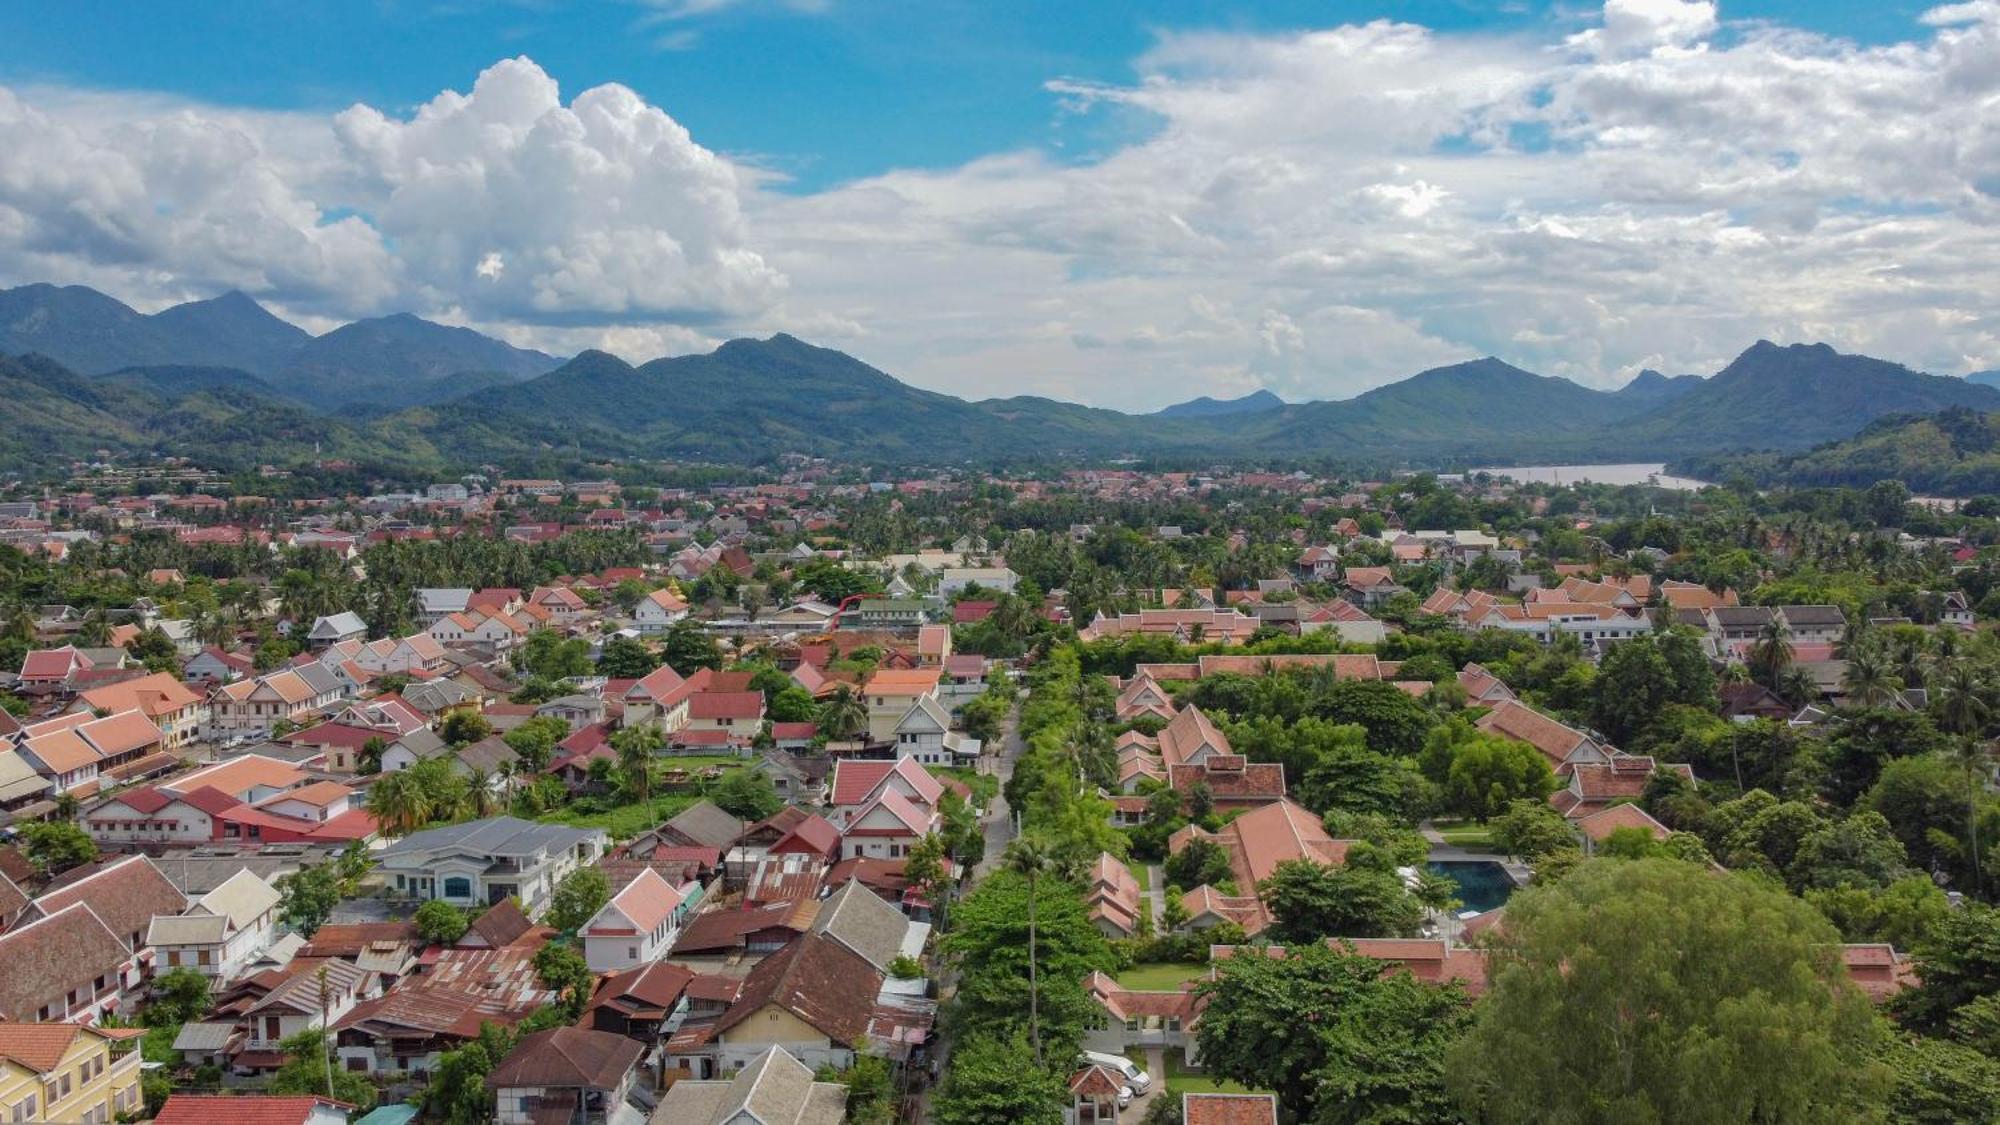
(1138, 1079)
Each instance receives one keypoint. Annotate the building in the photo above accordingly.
(773, 1087)
(252, 1109)
(67, 1072)
(891, 692)
(659, 611)
(222, 933)
(1228, 1109)
(563, 1074)
(482, 862)
(636, 927)
(165, 701)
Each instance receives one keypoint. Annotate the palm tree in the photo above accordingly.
(1029, 859)
(396, 802)
(1772, 653)
(1963, 709)
(844, 714)
(1797, 686)
(636, 747)
(1869, 681)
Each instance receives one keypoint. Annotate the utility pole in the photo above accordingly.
(325, 1035)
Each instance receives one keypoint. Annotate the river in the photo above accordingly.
(1636, 473)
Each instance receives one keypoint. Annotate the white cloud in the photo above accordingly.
(1316, 212)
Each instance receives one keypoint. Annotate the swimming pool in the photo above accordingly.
(1482, 884)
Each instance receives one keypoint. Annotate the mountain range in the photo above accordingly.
(227, 381)
(371, 366)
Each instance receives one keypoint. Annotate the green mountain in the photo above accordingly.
(370, 366)
(1205, 407)
(1651, 387)
(173, 383)
(1955, 452)
(1794, 397)
(1985, 378)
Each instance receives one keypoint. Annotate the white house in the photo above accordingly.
(481, 862)
(925, 734)
(223, 933)
(638, 925)
(333, 629)
(659, 610)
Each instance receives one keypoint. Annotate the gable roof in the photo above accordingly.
(48, 957)
(819, 980)
(773, 1089)
(646, 901)
(706, 824)
(242, 898)
(38, 1046)
(241, 1109)
(857, 918)
(124, 894)
(567, 1057)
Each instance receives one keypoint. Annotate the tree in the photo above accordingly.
(1860, 850)
(535, 741)
(988, 946)
(1963, 708)
(1310, 902)
(637, 747)
(1531, 829)
(457, 1093)
(563, 970)
(626, 658)
(308, 1070)
(871, 1093)
(308, 897)
(996, 1080)
(1941, 1083)
(1959, 965)
(56, 845)
(463, 728)
(440, 922)
(1737, 981)
(1904, 914)
(1869, 681)
(1771, 654)
(1338, 1040)
(1396, 722)
(577, 899)
(179, 995)
(924, 867)
(746, 794)
(1488, 773)
(1031, 861)
(791, 704)
(687, 649)
(1201, 861)
(844, 715)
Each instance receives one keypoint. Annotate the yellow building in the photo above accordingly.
(67, 1072)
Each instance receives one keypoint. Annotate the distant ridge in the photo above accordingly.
(1206, 407)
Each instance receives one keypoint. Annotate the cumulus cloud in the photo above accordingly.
(1316, 212)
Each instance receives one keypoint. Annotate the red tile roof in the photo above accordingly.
(245, 1109)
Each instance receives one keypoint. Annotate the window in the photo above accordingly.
(458, 886)
(273, 1028)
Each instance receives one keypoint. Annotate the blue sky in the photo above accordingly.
(1115, 203)
(821, 90)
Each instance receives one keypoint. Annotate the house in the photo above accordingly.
(1113, 897)
(933, 645)
(659, 610)
(1564, 747)
(1259, 840)
(222, 933)
(78, 754)
(482, 862)
(316, 995)
(289, 695)
(857, 918)
(890, 692)
(1813, 624)
(775, 1087)
(251, 1109)
(643, 1003)
(1595, 786)
(925, 733)
(957, 579)
(660, 698)
(435, 604)
(635, 927)
(1123, 1018)
(887, 614)
(53, 1071)
(335, 629)
(81, 953)
(813, 998)
(165, 701)
(726, 712)
(1186, 626)
(566, 1074)
(1094, 1093)
(212, 665)
(157, 816)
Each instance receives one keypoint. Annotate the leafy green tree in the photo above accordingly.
(1199, 862)
(1924, 803)
(1312, 901)
(1904, 913)
(577, 899)
(457, 1092)
(1359, 780)
(637, 749)
(746, 794)
(535, 741)
(1487, 774)
(307, 1069)
(1531, 829)
(563, 970)
(792, 704)
(871, 1093)
(1960, 964)
(1337, 1039)
(626, 658)
(688, 649)
(844, 715)
(549, 655)
(924, 867)
(1741, 984)
(989, 947)
(995, 1080)
(56, 845)
(1396, 723)
(308, 897)
(440, 922)
(1941, 1083)
(1860, 850)
(463, 728)
(179, 995)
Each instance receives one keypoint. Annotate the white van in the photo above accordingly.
(1119, 1064)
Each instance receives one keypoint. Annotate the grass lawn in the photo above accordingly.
(701, 761)
(1158, 976)
(622, 822)
(1139, 872)
(1468, 835)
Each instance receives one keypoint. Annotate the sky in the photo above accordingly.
(1116, 203)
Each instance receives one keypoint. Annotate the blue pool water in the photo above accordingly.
(1482, 884)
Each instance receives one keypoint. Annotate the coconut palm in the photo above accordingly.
(636, 747)
(1797, 686)
(1963, 706)
(845, 714)
(398, 802)
(1773, 652)
(1869, 681)
(1029, 859)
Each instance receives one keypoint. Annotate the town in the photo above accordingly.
(824, 796)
